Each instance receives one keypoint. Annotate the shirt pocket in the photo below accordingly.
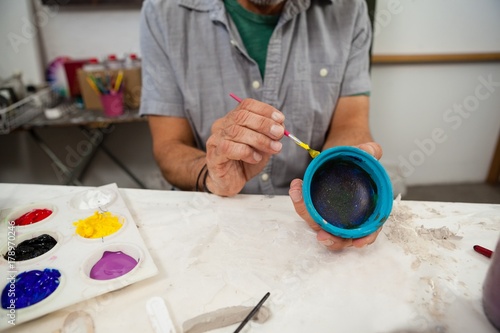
(315, 91)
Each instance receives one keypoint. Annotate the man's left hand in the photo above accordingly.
(330, 241)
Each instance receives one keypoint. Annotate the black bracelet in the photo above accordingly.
(205, 189)
(196, 187)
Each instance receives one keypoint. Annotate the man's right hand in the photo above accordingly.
(241, 144)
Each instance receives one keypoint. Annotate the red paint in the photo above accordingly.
(34, 216)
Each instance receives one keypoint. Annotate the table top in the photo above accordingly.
(421, 275)
(71, 115)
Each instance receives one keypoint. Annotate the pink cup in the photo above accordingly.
(112, 104)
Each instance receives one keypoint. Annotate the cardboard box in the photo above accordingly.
(131, 88)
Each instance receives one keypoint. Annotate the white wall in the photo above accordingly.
(436, 26)
(429, 120)
(409, 102)
(19, 45)
(83, 33)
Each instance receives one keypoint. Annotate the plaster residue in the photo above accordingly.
(441, 236)
(418, 241)
(426, 246)
(222, 318)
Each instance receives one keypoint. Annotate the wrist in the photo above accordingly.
(201, 180)
(205, 177)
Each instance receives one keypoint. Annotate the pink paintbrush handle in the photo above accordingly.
(235, 97)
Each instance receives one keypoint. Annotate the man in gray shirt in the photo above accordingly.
(300, 65)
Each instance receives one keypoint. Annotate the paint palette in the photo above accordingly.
(50, 259)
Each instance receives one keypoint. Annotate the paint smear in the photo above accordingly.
(343, 194)
(98, 225)
(29, 288)
(112, 265)
(32, 248)
(33, 216)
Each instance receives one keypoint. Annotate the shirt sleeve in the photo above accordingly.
(160, 94)
(357, 77)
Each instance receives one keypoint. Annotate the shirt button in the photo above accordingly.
(233, 42)
(323, 72)
(256, 84)
(265, 177)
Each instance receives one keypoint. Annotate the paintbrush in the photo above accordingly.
(118, 81)
(252, 313)
(311, 151)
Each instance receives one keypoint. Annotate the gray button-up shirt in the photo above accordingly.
(193, 57)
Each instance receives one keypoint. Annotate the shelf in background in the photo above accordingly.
(435, 58)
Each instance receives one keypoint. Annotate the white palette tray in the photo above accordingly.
(73, 256)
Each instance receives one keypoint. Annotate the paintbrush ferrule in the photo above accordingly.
(295, 139)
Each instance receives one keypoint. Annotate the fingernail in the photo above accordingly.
(296, 195)
(277, 130)
(257, 156)
(277, 116)
(326, 242)
(369, 149)
(276, 145)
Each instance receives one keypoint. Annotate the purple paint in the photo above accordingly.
(112, 265)
(29, 288)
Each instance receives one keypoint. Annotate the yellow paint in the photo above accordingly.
(313, 153)
(98, 225)
(303, 145)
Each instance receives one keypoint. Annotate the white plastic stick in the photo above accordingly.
(159, 316)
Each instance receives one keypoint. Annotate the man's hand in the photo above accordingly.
(330, 241)
(241, 144)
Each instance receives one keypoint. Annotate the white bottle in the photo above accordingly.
(93, 65)
(113, 63)
(132, 61)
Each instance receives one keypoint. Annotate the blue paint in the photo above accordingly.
(29, 288)
(347, 192)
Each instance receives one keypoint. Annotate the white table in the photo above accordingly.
(217, 252)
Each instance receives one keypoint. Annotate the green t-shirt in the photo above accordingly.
(255, 31)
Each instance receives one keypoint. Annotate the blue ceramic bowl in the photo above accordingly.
(347, 192)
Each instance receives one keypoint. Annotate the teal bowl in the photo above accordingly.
(347, 192)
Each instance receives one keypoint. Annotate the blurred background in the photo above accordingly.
(435, 102)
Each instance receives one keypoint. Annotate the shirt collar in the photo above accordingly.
(292, 7)
(218, 13)
(201, 5)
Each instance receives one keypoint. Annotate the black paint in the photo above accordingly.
(343, 193)
(32, 248)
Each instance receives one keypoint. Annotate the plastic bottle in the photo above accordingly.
(132, 61)
(491, 290)
(113, 63)
(93, 65)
